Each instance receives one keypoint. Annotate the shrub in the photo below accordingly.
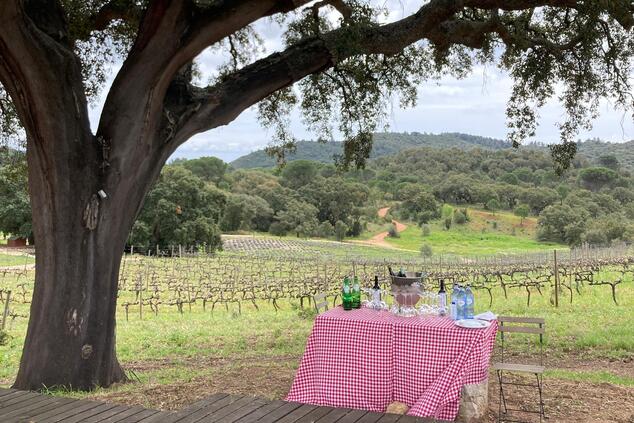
(356, 229)
(521, 211)
(426, 230)
(277, 229)
(340, 230)
(325, 230)
(393, 233)
(596, 237)
(459, 218)
(492, 205)
(426, 251)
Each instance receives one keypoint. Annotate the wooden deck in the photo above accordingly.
(30, 407)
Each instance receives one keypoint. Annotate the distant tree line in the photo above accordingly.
(194, 201)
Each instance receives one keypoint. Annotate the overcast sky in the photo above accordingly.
(475, 105)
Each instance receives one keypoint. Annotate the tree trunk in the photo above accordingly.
(70, 340)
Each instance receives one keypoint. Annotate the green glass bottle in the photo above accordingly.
(356, 293)
(346, 294)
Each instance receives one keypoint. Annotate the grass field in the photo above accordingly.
(174, 348)
(484, 233)
(592, 324)
(15, 260)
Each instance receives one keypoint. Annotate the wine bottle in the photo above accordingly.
(442, 299)
(376, 283)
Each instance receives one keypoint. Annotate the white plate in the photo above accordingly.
(472, 323)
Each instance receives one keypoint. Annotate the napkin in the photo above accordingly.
(487, 315)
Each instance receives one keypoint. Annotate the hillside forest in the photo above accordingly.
(194, 201)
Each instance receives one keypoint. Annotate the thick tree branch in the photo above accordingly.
(36, 57)
(205, 109)
(171, 34)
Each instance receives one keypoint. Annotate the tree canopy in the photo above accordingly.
(347, 56)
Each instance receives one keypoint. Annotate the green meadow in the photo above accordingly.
(484, 233)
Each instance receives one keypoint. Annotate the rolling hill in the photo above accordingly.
(389, 143)
(385, 144)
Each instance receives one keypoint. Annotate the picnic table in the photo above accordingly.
(367, 359)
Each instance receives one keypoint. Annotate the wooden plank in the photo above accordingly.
(389, 418)
(243, 411)
(27, 415)
(513, 319)
(9, 399)
(334, 415)
(143, 416)
(192, 414)
(78, 418)
(16, 399)
(77, 407)
(162, 417)
(216, 415)
(4, 392)
(7, 413)
(414, 419)
(41, 414)
(195, 407)
(521, 368)
(261, 412)
(370, 418)
(315, 415)
(129, 412)
(280, 412)
(352, 416)
(100, 417)
(205, 402)
(298, 413)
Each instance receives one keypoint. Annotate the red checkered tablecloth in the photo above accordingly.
(367, 359)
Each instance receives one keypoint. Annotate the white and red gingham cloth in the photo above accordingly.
(367, 359)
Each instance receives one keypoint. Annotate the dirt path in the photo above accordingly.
(378, 240)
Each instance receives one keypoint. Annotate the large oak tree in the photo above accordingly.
(342, 61)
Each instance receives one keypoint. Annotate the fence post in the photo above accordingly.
(5, 313)
(556, 279)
